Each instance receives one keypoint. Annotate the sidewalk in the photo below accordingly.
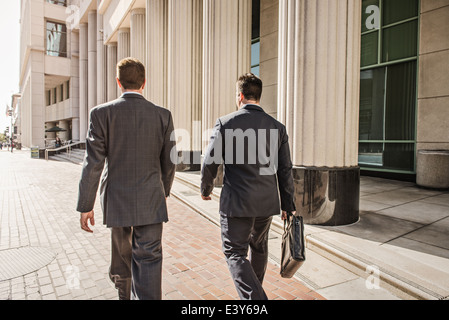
(398, 250)
(44, 255)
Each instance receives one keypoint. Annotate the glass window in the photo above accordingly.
(255, 53)
(58, 2)
(255, 38)
(400, 41)
(255, 31)
(389, 156)
(56, 39)
(371, 154)
(61, 89)
(369, 49)
(400, 102)
(372, 93)
(48, 97)
(67, 87)
(398, 10)
(387, 133)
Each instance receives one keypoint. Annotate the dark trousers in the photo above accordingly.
(238, 236)
(136, 262)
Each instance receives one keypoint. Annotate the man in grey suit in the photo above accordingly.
(254, 149)
(129, 141)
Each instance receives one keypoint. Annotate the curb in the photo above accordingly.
(403, 288)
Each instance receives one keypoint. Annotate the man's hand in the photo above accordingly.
(85, 217)
(284, 215)
(206, 198)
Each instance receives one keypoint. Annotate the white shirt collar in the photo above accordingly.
(124, 93)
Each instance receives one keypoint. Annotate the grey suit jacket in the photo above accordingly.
(129, 142)
(258, 178)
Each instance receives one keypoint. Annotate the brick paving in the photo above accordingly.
(37, 203)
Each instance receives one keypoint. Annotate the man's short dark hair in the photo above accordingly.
(131, 73)
(251, 86)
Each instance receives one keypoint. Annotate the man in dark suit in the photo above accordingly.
(129, 141)
(254, 149)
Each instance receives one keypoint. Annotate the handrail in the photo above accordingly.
(68, 147)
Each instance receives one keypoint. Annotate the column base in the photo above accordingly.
(327, 196)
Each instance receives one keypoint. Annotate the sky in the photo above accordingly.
(9, 56)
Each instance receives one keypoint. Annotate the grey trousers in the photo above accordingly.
(136, 262)
(239, 235)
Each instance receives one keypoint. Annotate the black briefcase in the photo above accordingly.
(293, 246)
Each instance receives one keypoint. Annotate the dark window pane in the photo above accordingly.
(366, 16)
(400, 41)
(397, 10)
(372, 95)
(48, 98)
(371, 154)
(398, 156)
(369, 49)
(58, 2)
(56, 39)
(256, 20)
(391, 156)
(61, 89)
(400, 102)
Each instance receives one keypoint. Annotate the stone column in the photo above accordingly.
(101, 63)
(318, 101)
(123, 48)
(75, 129)
(156, 54)
(226, 56)
(184, 78)
(112, 71)
(92, 60)
(123, 44)
(83, 84)
(63, 135)
(138, 38)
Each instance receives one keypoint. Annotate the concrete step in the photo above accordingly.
(76, 156)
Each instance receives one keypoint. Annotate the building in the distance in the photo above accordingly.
(360, 85)
(15, 114)
(48, 72)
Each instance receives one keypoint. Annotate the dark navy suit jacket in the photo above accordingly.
(254, 149)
